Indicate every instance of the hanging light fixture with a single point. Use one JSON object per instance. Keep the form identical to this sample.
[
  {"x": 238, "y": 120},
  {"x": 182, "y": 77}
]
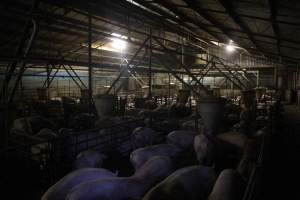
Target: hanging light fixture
[{"x": 230, "y": 47}]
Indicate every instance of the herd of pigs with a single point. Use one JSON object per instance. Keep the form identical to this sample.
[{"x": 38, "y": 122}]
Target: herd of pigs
[{"x": 220, "y": 168}]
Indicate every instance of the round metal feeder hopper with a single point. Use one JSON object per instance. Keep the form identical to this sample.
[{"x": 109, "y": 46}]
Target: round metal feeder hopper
[
  {"x": 105, "y": 104},
  {"x": 211, "y": 109},
  {"x": 183, "y": 96},
  {"x": 248, "y": 98}
]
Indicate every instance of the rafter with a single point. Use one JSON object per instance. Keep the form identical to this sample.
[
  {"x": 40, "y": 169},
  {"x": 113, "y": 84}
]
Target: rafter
[
  {"x": 273, "y": 16},
  {"x": 186, "y": 18},
  {"x": 198, "y": 8},
  {"x": 227, "y": 4}
]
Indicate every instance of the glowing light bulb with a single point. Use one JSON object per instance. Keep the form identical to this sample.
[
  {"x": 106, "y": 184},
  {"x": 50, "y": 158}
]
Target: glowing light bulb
[
  {"x": 230, "y": 48},
  {"x": 118, "y": 44}
]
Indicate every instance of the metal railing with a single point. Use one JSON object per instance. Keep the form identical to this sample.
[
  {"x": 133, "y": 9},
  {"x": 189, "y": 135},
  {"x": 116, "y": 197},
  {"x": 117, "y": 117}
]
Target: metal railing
[
  {"x": 54, "y": 157},
  {"x": 252, "y": 189}
]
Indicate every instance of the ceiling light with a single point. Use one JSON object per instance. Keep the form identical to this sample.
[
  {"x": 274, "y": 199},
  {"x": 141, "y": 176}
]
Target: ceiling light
[
  {"x": 119, "y": 36},
  {"x": 118, "y": 44},
  {"x": 229, "y": 48},
  {"x": 172, "y": 83}
]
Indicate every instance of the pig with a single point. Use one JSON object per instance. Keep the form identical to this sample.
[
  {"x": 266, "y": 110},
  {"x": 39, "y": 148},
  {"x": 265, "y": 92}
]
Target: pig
[
  {"x": 40, "y": 152},
  {"x": 133, "y": 187},
  {"x": 249, "y": 158},
  {"x": 89, "y": 159},
  {"x": 189, "y": 183},
  {"x": 179, "y": 110},
  {"x": 59, "y": 190},
  {"x": 32, "y": 125},
  {"x": 204, "y": 149},
  {"x": 230, "y": 149},
  {"x": 181, "y": 138},
  {"x": 104, "y": 122},
  {"x": 124, "y": 148},
  {"x": 191, "y": 125},
  {"x": 141, "y": 155},
  {"x": 74, "y": 142},
  {"x": 161, "y": 111},
  {"x": 229, "y": 186},
  {"x": 46, "y": 134},
  {"x": 236, "y": 139},
  {"x": 142, "y": 136}
]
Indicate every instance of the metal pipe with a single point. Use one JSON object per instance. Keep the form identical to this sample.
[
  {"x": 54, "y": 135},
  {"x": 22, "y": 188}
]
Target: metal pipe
[
  {"x": 150, "y": 65},
  {"x": 187, "y": 70},
  {"x": 77, "y": 76},
  {"x": 23, "y": 68},
  {"x": 128, "y": 64},
  {"x": 90, "y": 55},
  {"x": 70, "y": 75}
]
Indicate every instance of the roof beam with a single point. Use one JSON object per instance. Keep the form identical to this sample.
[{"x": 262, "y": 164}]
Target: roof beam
[
  {"x": 252, "y": 17},
  {"x": 198, "y": 8},
  {"x": 186, "y": 18},
  {"x": 227, "y": 4}
]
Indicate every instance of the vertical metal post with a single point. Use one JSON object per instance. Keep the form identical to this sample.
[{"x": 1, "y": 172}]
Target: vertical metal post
[
  {"x": 275, "y": 77},
  {"x": 297, "y": 83},
  {"x": 21, "y": 86},
  {"x": 182, "y": 51},
  {"x": 257, "y": 79},
  {"x": 150, "y": 65},
  {"x": 69, "y": 87},
  {"x": 169, "y": 88},
  {"x": 48, "y": 81},
  {"x": 90, "y": 56}
]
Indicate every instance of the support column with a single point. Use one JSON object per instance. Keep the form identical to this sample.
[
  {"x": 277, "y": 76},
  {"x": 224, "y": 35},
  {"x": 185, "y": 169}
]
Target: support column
[
  {"x": 275, "y": 75},
  {"x": 90, "y": 79},
  {"x": 48, "y": 81},
  {"x": 150, "y": 65},
  {"x": 169, "y": 88}
]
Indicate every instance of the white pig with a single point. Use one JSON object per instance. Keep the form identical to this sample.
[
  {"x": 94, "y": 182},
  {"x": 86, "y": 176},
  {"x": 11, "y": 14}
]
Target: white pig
[
  {"x": 189, "y": 183},
  {"x": 181, "y": 138},
  {"x": 204, "y": 150},
  {"x": 141, "y": 155},
  {"x": 229, "y": 186},
  {"x": 59, "y": 190},
  {"x": 89, "y": 159},
  {"x": 143, "y": 136},
  {"x": 134, "y": 187}
]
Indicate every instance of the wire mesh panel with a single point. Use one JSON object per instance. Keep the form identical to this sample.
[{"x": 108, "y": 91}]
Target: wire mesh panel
[
  {"x": 114, "y": 138},
  {"x": 27, "y": 166},
  {"x": 41, "y": 162}
]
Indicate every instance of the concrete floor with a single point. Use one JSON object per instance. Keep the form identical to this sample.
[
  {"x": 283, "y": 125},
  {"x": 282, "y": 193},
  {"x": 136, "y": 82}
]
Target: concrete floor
[{"x": 282, "y": 171}]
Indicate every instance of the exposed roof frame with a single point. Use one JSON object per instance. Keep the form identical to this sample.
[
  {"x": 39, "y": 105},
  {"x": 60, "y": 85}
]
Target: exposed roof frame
[
  {"x": 186, "y": 18},
  {"x": 273, "y": 8},
  {"x": 198, "y": 8},
  {"x": 227, "y": 4},
  {"x": 251, "y": 17}
]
